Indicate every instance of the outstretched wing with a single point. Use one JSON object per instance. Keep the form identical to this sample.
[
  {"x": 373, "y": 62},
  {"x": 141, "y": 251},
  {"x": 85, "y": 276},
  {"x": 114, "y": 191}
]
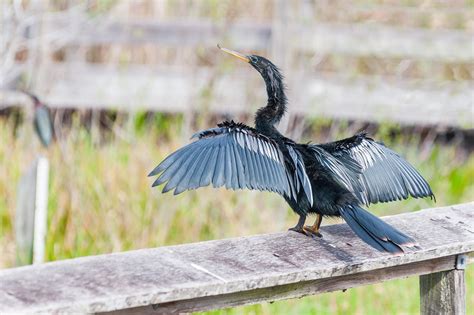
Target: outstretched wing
[
  {"x": 384, "y": 176},
  {"x": 237, "y": 157}
]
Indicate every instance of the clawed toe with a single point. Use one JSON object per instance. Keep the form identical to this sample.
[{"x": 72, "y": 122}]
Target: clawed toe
[
  {"x": 309, "y": 231},
  {"x": 306, "y": 231},
  {"x": 298, "y": 230}
]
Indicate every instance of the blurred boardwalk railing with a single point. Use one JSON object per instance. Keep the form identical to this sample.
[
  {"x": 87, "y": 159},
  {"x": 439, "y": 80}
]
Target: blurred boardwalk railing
[
  {"x": 248, "y": 270},
  {"x": 76, "y": 83},
  {"x": 349, "y": 39},
  {"x": 168, "y": 89}
]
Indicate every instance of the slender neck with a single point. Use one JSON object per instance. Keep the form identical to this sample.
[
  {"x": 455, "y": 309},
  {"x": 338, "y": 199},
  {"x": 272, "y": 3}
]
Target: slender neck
[{"x": 267, "y": 117}]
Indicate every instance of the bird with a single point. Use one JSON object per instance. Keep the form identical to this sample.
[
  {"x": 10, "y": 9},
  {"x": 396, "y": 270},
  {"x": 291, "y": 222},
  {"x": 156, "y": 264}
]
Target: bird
[
  {"x": 42, "y": 120},
  {"x": 335, "y": 179}
]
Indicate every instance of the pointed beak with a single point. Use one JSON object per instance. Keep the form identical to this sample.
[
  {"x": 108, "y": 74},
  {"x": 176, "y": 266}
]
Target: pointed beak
[{"x": 234, "y": 53}]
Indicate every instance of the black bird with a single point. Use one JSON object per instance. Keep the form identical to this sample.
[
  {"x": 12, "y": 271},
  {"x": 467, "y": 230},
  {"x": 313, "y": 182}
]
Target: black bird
[
  {"x": 42, "y": 120},
  {"x": 331, "y": 179}
]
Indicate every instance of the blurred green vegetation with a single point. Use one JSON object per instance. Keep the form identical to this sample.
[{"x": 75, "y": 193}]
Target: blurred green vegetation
[{"x": 101, "y": 201}]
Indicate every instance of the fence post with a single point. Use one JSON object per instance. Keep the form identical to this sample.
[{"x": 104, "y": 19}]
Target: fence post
[
  {"x": 31, "y": 213},
  {"x": 41, "y": 210},
  {"x": 444, "y": 292}
]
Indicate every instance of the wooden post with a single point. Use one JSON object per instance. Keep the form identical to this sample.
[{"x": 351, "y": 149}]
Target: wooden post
[
  {"x": 31, "y": 213},
  {"x": 24, "y": 217},
  {"x": 444, "y": 292},
  {"x": 41, "y": 210}
]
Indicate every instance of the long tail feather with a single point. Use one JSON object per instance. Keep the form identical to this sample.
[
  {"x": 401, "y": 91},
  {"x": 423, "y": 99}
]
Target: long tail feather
[{"x": 374, "y": 231}]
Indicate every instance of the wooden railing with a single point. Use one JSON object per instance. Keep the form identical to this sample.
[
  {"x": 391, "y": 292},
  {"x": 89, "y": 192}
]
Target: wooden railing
[
  {"x": 175, "y": 90},
  {"x": 323, "y": 38},
  {"x": 254, "y": 269}
]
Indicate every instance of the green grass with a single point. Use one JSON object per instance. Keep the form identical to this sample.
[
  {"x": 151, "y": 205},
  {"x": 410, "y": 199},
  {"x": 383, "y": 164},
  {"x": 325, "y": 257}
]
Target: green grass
[{"x": 101, "y": 202}]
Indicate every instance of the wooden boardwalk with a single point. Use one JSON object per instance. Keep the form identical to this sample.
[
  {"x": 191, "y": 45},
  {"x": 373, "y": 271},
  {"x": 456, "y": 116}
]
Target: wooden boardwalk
[{"x": 252, "y": 269}]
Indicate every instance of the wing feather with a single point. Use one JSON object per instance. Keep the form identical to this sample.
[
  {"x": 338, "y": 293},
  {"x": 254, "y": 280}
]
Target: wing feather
[
  {"x": 172, "y": 164},
  {"x": 235, "y": 156},
  {"x": 209, "y": 169},
  {"x": 249, "y": 171},
  {"x": 384, "y": 176},
  {"x": 183, "y": 183},
  {"x": 236, "y": 170},
  {"x": 218, "y": 177},
  {"x": 199, "y": 169}
]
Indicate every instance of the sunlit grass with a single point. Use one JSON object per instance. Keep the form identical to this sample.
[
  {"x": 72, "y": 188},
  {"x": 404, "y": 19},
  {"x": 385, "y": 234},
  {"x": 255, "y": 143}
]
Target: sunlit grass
[{"x": 101, "y": 201}]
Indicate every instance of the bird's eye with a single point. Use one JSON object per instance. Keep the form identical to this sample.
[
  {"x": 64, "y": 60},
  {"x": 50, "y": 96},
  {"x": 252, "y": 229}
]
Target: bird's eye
[{"x": 253, "y": 59}]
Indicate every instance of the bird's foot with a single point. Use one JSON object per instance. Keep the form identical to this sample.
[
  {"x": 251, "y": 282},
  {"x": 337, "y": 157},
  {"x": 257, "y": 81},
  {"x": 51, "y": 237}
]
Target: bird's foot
[
  {"x": 310, "y": 230},
  {"x": 299, "y": 230}
]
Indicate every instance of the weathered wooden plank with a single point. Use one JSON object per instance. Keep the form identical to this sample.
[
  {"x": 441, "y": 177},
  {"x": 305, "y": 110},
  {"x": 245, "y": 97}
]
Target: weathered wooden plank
[
  {"x": 215, "y": 268},
  {"x": 175, "y": 90},
  {"x": 385, "y": 99},
  {"x": 443, "y": 293},
  {"x": 323, "y": 38},
  {"x": 416, "y": 12},
  {"x": 294, "y": 290},
  {"x": 385, "y": 41},
  {"x": 13, "y": 98},
  {"x": 181, "y": 33}
]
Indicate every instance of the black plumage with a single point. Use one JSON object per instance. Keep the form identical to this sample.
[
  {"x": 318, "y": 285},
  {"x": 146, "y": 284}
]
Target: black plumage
[{"x": 331, "y": 179}]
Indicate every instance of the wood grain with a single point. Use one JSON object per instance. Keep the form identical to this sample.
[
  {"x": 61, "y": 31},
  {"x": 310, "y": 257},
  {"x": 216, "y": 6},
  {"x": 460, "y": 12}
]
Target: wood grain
[
  {"x": 294, "y": 290},
  {"x": 443, "y": 293},
  {"x": 238, "y": 265}
]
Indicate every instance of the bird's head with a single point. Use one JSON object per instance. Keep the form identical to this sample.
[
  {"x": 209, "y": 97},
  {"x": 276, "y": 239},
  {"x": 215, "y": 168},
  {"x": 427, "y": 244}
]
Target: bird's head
[
  {"x": 267, "y": 116},
  {"x": 264, "y": 66}
]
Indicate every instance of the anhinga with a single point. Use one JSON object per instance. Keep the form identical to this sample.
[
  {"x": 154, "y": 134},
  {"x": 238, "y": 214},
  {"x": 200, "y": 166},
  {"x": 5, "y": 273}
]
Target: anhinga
[
  {"x": 331, "y": 179},
  {"x": 42, "y": 120}
]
